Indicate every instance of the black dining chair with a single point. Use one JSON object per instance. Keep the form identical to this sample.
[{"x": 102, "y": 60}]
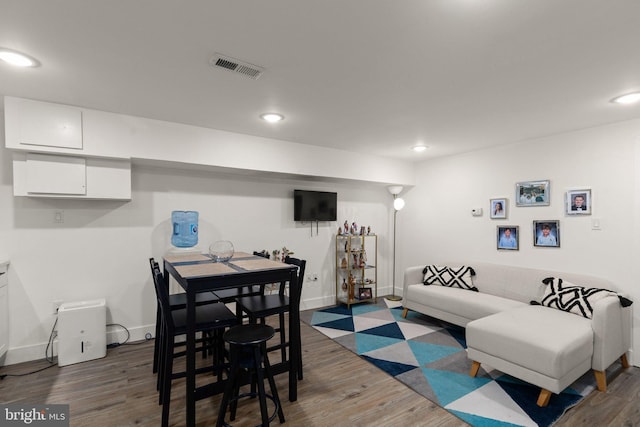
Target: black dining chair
[
  {"x": 211, "y": 318},
  {"x": 176, "y": 301},
  {"x": 262, "y": 306}
]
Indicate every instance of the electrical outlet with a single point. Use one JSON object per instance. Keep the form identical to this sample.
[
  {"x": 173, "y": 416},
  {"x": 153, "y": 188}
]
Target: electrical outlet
[
  {"x": 56, "y": 305},
  {"x": 58, "y": 217}
]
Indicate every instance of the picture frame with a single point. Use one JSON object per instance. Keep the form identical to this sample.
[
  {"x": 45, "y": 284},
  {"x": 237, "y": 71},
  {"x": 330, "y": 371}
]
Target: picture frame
[
  {"x": 533, "y": 193},
  {"x": 546, "y": 233},
  {"x": 498, "y": 208},
  {"x": 364, "y": 293},
  {"x": 578, "y": 202},
  {"x": 508, "y": 237}
]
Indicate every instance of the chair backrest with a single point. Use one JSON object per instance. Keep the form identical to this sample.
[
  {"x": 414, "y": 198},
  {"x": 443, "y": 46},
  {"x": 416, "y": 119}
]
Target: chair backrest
[
  {"x": 262, "y": 254},
  {"x": 152, "y": 263},
  {"x": 301, "y": 264},
  {"x": 162, "y": 293}
]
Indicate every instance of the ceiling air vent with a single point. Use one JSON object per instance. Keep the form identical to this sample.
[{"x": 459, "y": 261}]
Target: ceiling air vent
[{"x": 236, "y": 66}]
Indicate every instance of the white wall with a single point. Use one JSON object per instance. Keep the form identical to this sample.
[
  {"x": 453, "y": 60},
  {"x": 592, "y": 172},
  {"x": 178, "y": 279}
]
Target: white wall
[
  {"x": 437, "y": 225},
  {"x": 102, "y": 248}
]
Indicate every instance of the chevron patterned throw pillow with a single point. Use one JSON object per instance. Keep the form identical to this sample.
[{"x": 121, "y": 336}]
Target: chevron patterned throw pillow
[
  {"x": 574, "y": 299},
  {"x": 455, "y": 277}
]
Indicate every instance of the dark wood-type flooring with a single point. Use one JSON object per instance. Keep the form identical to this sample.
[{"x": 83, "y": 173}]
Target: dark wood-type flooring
[{"x": 339, "y": 389}]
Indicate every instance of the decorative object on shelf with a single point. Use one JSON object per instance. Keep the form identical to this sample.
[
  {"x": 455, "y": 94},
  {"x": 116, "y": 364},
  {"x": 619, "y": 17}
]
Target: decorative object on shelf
[
  {"x": 276, "y": 254},
  {"x": 221, "y": 251},
  {"x": 398, "y": 203},
  {"x": 533, "y": 193},
  {"x": 352, "y": 287},
  {"x": 346, "y": 227},
  {"x": 362, "y": 230},
  {"x": 339, "y": 231},
  {"x": 364, "y": 293},
  {"x": 344, "y": 263},
  {"x": 369, "y": 229},
  {"x": 578, "y": 202}
]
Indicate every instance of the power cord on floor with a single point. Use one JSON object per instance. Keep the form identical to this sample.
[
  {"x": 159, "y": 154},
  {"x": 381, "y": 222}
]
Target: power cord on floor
[
  {"x": 118, "y": 344},
  {"x": 126, "y": 341},
  {"x": 51, "y": 360}
]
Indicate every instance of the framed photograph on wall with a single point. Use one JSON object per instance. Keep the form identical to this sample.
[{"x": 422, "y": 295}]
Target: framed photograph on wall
[
  {"x": 507, "y": 237},
  {"x": 498, "y": 208},
  {"x": 578, "y": 202},
  {"x": 546, "y": 233},
  {"x": 533, "y": 193}
]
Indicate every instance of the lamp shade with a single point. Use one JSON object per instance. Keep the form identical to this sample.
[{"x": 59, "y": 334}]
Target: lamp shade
[{"x": 398, "y": 203}]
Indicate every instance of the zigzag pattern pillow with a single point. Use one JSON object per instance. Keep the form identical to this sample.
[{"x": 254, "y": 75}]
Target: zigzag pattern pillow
[
  {"x": 455, "y": 277},
  {"x": 574, "y": 299}
]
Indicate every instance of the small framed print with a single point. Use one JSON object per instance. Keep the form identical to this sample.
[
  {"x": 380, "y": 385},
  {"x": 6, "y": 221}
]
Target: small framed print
[
  {"x": 498, "y": 208},
  {"x": 533, "y": 193},
  {"x": 508, "y": 237},
  {"x": 364, "y": 293},
  {"x": 546, "y": 233},
  {"x": 578, "y": 202}
]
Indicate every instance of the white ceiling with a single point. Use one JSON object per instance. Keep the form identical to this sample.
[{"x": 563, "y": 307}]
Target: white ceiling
[{"x": 376, "y": 76}]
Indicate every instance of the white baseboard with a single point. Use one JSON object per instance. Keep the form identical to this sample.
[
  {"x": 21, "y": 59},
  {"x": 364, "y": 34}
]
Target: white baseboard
[{"x": 115, "y": 334}]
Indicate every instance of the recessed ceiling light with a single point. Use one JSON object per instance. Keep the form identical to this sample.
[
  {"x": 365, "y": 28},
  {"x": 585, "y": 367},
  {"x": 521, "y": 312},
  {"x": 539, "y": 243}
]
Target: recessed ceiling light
[
  {"x": 16, "y": 58},
  {"x": 272, "y": 117},
  {"x": 629, "y": 98},
  {"x": 419, "y": 148}
]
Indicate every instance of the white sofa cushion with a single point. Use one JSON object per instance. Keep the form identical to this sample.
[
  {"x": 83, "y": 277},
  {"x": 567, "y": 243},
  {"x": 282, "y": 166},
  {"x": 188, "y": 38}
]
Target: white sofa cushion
[
  {"x": 469, "y": 305},
  {"x": 541, "y": 339}
]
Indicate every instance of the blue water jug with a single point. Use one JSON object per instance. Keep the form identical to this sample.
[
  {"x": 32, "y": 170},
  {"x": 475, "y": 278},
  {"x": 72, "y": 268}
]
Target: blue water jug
[{"x": 185, "y": 229}]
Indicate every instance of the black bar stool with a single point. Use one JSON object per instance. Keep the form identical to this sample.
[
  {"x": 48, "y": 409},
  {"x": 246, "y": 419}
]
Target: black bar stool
[{"x": 248, "y": 351}]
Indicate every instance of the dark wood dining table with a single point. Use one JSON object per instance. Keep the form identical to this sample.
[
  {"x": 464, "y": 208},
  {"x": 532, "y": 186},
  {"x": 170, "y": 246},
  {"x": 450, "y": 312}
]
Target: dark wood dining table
[{"x": 200, "y": 273}]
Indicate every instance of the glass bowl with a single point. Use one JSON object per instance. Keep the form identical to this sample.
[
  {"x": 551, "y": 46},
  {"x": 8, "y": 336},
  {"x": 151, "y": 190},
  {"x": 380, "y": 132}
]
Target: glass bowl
[{"x": 221, "y": 251}]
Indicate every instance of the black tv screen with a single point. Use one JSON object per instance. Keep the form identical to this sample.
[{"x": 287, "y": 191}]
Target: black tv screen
[{"x": 314, "y": 205}]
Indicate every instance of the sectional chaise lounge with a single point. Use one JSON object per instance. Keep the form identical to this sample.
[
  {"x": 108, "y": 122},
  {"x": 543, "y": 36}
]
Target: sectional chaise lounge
[{"x": 584, "y": 324}]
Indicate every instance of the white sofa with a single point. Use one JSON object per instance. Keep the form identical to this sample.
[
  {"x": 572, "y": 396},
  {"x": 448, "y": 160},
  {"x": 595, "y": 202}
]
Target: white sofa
[{"x": 503, "y": 328}]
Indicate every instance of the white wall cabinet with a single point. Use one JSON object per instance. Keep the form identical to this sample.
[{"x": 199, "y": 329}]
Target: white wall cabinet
[
  {"x": 40, "y": 175},
  {"x": 48, "y": 174},
  {"x": 4, "y": 307},
  {"x": 35, "y": 123}
]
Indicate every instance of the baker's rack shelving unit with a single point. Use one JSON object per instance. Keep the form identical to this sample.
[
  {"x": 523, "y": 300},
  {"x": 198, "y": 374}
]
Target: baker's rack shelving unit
[{"x": 356, "y": 268}]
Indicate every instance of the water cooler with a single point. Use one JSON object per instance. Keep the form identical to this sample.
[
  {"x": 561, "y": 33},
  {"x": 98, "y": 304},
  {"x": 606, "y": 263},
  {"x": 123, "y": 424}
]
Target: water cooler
[{"x": 82, "y": 331}]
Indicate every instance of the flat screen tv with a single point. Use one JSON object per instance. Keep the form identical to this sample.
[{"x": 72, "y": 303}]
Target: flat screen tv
[{"x": 314, "y": 205}]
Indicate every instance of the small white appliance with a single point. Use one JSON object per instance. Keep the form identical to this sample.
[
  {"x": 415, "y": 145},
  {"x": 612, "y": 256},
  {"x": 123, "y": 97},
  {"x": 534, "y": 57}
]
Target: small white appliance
[{"x": 82, "y": 331}]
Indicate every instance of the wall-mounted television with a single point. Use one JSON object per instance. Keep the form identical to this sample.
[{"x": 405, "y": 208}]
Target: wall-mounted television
[{"x": 314, "y": 205}]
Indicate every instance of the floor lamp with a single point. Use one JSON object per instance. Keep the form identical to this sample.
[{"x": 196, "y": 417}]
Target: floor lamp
[{"x": 398, "y": 204}]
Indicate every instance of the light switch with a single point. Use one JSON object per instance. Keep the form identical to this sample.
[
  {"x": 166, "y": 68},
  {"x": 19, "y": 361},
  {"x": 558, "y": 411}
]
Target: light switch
[
  {"x": 58, "y": 217},
  {"x": 595, "y": 224}
]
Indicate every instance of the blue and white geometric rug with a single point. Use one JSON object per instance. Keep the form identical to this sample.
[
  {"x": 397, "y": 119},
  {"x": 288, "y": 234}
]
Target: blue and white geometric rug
[{"x": 430, "y": 357}]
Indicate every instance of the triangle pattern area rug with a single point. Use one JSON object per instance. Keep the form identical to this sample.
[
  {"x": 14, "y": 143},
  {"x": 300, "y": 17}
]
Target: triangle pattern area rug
[{"x": 430, "y": 357}]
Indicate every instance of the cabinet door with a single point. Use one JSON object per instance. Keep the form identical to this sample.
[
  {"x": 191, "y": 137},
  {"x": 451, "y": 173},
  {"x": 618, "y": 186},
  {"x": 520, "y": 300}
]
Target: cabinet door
[
  {"x": 56, "y": 174},
  {"x": 43, "y": 123}
]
